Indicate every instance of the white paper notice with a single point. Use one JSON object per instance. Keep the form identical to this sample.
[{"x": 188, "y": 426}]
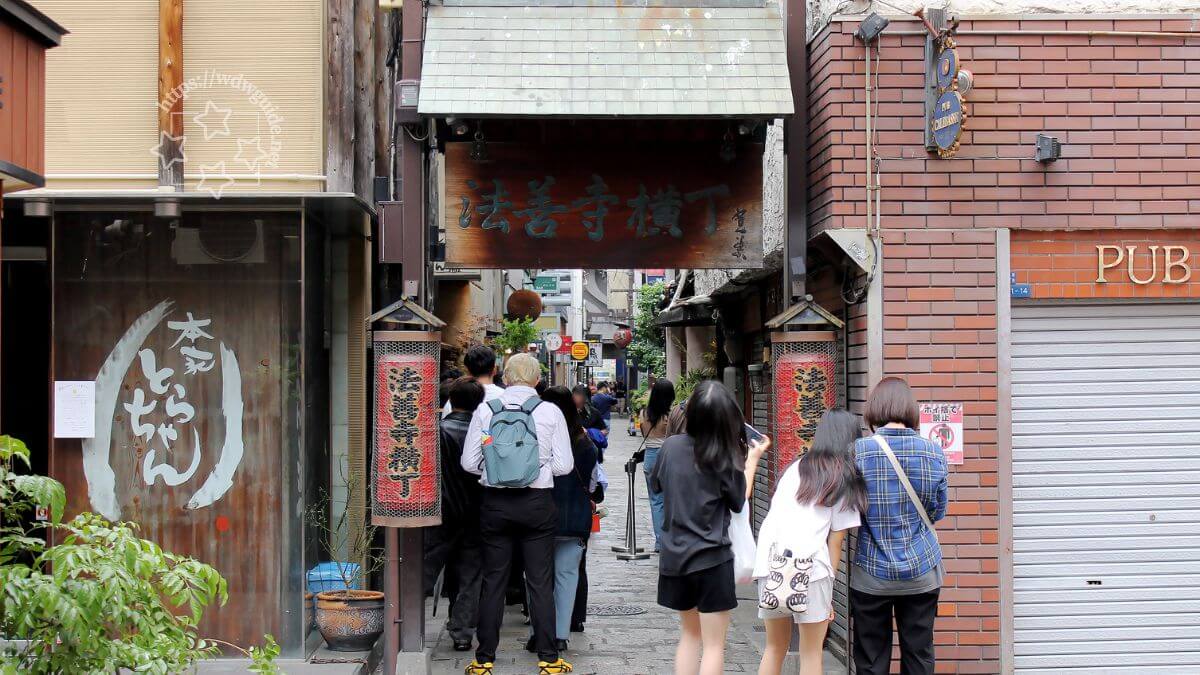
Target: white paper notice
[{"x": 75, "y": 409}]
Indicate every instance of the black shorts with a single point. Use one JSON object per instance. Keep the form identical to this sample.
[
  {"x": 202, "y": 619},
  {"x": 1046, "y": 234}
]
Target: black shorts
[{"x": 708, "y": 590}]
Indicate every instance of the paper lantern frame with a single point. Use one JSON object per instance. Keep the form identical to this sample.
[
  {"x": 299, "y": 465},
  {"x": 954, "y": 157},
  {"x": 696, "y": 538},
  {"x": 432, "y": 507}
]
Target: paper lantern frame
[
  {"x": 807, "y": 378},
  {"x": 406, "y": 459}
]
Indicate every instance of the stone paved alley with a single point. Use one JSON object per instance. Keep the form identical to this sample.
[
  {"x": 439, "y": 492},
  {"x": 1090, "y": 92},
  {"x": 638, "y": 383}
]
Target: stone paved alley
[{"x": 616, "y": 645}]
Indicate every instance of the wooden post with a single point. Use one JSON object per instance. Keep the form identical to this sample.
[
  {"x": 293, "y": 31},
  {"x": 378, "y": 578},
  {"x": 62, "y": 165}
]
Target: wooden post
[
  {"x": 339, "y": 96},
  {"x": 170, "y": 94}
]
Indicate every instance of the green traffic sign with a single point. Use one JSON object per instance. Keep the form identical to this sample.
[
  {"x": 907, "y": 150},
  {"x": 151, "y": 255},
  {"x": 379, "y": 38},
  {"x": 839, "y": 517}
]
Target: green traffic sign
[{"x": 545, "y": 284}]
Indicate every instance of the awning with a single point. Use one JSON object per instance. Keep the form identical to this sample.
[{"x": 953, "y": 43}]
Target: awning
[
  {"x": 546, "y": 61},
  {"x": 694, "y": 311}
]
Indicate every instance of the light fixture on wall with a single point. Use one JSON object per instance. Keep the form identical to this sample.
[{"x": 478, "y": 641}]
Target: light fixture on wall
[
  {"x": 1048, "y": 149},
  {"x": 871, "y": 27},
  {"x": 757, "y": 372}
]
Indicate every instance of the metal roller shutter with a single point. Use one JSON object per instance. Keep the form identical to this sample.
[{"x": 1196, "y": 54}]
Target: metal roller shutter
[{"x": 1106, "y": 487}]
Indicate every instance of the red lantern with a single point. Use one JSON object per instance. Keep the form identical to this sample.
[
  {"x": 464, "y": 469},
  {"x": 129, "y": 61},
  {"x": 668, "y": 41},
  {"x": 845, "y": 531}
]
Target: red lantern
[
  {"x": 622, "y": 337},
  {"x": 524, "y": 304},
  {"x": 805, "y": 387},
  {"x": 405, "y": 466}
]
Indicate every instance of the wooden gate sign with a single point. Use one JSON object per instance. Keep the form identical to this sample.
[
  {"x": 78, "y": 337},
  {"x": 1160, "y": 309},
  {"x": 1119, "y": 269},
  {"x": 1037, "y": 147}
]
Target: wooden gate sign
[{"x": 670, "y": 205}]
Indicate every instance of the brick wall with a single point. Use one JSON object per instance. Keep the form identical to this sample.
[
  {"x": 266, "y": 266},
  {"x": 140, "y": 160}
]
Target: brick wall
[
  {"x": 1065, "y": 264},
  {"x": 1127, "y": 111}
]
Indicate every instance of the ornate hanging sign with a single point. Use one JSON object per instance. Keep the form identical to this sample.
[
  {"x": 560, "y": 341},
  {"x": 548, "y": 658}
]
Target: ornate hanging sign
[{"x": 948, "y": 114}]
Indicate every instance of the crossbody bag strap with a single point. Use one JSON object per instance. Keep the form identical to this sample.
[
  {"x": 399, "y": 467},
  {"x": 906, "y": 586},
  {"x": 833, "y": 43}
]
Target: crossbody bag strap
[{"x": 912, "y": 494}]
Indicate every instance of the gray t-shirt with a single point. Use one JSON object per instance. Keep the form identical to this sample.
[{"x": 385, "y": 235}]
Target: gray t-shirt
[
  {"x": 863, "y": 582},
  {"x": 696, "y": 506}
]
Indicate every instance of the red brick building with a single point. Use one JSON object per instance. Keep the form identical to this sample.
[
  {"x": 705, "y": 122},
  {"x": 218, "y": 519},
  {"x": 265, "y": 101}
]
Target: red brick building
[{"x": 1081, "y": 459}]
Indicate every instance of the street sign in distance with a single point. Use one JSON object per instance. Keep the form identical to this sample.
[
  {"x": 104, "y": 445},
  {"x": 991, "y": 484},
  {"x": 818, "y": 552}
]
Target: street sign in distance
[
  {"x": 580, "y": 351},
  {"x": 595, "y": 355},
  {"x": 546, "y": 284},
  {"x": 553, "y": 341}
]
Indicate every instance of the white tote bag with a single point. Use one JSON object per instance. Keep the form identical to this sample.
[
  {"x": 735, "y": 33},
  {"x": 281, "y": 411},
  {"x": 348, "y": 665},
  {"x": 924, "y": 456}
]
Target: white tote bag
[{"x": 741, "y": 538}]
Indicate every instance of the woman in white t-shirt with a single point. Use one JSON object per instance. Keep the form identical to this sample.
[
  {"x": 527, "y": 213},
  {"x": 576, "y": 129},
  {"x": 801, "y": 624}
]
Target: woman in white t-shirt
[{"x": 818, "y": 498}]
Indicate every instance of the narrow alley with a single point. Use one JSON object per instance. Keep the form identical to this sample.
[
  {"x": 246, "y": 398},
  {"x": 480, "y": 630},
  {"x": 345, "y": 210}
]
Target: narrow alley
[{"x": 627, "y": 632}]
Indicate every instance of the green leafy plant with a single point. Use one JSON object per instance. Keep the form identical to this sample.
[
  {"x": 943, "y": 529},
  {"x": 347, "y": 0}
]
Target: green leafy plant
[
  {"x": 648, "y": 348},
  {"x": 111, "y": 601},
  {"x": 515, "y": 335},
  {"x": 688, "y": 381},
  {"x": 640, "y": 398}
]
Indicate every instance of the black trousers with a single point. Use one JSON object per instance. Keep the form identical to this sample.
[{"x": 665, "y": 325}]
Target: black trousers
[
  {"x": 458, "y": 550},
  {"x": 510, "y": 520},
  {"x": 579, "y": 611},
  {"x": 872, "y": 616}
]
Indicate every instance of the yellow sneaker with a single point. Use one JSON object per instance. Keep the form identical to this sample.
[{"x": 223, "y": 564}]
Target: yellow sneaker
[
  {"x": 477, "y": 668},
  {"x": 553, "y": 668}
]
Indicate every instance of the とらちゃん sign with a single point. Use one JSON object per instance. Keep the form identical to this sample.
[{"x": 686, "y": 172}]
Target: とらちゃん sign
[
  {"x": 1113, "y": 260},
  {"x": 603, "y": 206}
]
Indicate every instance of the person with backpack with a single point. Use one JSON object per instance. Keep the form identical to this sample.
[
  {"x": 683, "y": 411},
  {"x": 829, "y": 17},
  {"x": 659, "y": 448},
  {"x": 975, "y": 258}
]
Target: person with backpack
[
  {"x": 817, "y": 500},
  {"x": 898, "y": 568},
  {"x": 703, "y": 475},
  {"x": 517, "y": 446},
  {"x": 454, "y": 545}
]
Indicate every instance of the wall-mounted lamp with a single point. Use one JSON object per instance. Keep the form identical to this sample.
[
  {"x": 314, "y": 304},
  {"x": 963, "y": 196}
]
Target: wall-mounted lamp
[
  {"x": 37, "y": 208},
  {"x": 1048, "y": 149},
  {"x": 757, "y": 373},
  {"x": 870, "y": 28}
]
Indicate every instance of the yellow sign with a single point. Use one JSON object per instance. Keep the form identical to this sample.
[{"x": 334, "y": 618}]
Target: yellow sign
[
  {"x": 1175, "y": 264},
  {"x": 580, "y": 351}
]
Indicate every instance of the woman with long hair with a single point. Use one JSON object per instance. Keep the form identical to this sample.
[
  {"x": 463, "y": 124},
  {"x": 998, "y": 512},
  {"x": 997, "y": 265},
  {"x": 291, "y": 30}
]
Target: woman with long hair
[
  {"x": 817, "y": 500},
  {"x": 654, "y": 430},
  {"x": 898, "y": 562},
  {"x": 702, "y": 476},
  {"x": 574, "y": 503}
]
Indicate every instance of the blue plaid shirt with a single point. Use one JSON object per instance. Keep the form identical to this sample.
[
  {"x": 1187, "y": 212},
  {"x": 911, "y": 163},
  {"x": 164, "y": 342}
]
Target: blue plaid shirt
[{"x": 893, "y": 543}]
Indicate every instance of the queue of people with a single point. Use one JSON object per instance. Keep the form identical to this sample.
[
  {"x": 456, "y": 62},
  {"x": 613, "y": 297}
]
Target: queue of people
[{"x": 522, "y": 477}]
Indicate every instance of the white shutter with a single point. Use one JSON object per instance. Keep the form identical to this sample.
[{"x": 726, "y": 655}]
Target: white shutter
[{"x": 1106, "y": 487}]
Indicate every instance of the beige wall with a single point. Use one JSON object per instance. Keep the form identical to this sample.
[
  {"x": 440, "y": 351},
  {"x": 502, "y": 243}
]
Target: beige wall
[{"x": 252, "y": 72}]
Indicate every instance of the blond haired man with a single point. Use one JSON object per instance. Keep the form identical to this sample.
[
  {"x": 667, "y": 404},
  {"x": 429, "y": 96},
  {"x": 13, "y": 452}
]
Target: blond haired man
[{"x": 523, "y": 516}]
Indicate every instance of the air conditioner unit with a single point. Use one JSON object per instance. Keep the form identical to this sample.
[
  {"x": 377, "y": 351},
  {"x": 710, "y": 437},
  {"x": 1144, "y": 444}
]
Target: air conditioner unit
[{"x": 218, "y": 242}]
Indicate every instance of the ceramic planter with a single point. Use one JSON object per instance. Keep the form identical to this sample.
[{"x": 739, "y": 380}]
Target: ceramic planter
[{"x": 350, "y": 620}]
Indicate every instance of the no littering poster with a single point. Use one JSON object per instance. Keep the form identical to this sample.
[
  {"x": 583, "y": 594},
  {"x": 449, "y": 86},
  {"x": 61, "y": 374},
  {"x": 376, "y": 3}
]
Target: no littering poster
[{"x": 942, "y": 423}]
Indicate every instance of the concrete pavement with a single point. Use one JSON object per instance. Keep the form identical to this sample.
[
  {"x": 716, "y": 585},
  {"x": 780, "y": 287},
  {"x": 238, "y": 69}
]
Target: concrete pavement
[{"x": 616, "y": 645}]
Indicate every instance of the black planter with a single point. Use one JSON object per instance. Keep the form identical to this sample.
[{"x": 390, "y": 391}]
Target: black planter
[{"x": 350, "y": 621}]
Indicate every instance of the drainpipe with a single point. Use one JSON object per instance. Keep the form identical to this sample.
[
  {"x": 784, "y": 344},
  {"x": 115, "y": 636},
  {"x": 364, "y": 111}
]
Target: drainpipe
[
  {"x": 795, "y": 157},
  {"x": 404, "y": 605}
]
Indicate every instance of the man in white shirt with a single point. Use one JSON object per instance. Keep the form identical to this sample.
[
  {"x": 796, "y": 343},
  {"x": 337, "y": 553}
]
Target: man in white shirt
[
  {"x": 480, "y": 362},
  {"x": 526, "y": 517}
]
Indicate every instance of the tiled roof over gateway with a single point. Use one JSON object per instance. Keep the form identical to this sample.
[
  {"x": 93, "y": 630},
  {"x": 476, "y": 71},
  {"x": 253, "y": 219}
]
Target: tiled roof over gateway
[{"x": 541, "y": 61}]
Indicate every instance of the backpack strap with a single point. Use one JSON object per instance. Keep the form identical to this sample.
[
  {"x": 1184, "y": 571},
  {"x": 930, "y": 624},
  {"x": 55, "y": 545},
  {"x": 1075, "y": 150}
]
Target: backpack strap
[
  {"x": 531, "y": 403},
  {"x": 496, "y": 405}
]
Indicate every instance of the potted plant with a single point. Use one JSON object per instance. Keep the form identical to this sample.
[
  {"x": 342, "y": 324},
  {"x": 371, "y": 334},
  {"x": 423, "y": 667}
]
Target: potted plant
[{"x": 348, "y": 617}]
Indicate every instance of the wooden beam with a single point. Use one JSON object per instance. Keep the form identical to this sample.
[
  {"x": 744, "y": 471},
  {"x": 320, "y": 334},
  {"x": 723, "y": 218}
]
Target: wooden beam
[
  {"x": 170, "y": 93},
  {"x": 339, "y": 95}
]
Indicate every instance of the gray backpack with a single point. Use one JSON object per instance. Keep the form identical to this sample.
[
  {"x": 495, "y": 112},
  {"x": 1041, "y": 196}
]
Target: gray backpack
[{"x": 511, "y": 455}]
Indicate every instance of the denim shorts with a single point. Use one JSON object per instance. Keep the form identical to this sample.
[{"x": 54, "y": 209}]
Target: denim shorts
[{"x": 820, "y": 600}]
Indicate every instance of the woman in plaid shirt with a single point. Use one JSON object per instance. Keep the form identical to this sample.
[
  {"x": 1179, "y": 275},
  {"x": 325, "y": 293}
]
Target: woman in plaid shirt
[{"x": 898, "y": 565}]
